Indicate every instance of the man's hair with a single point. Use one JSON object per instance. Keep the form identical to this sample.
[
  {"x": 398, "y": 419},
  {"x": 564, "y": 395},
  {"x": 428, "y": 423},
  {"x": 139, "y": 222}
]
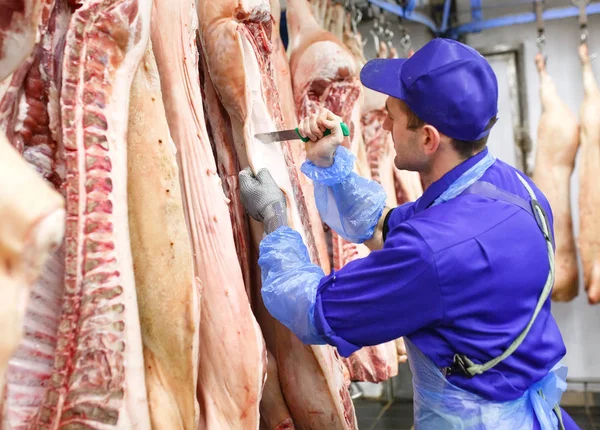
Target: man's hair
[{"x": 465, "y": 148}]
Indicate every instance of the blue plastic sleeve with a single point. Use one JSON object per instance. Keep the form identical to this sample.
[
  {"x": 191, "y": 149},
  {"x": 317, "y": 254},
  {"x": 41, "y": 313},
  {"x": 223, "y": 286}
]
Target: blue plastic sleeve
[
  {"x": 290, "y": 282},
  {"x": 348, "y": 203}
]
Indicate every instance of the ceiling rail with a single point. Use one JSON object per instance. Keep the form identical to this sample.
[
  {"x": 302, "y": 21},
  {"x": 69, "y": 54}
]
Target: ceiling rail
[{"x": 477, "y": 23}]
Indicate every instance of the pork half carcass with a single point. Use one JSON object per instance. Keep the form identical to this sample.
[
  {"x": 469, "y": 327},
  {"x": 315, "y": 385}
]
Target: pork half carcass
[
  {"x": 589, "y": 190},
  {"x": 557, "y": 144},
  {"x": 33, "y": 225},
  {"x": 98, "y": 376},
  {"x": 283, "y": 81},
  {"x": 162, "y": 257},
  {"x": 219, "y": 129},
  {"x": 236, "y": 38},
  {"x": 379, "y": 362},
  {"x": 232, "y": 364},
  {"x": 324, "y": 74}
]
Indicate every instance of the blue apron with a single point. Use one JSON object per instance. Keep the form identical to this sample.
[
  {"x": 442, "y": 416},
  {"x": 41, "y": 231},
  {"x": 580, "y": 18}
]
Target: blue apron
[
  {"x": 438, "y": 404},
  {"x": 441, "y": 405}
]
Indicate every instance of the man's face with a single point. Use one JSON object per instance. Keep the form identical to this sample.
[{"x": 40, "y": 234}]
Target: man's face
[{"x": 407, "y": 143}]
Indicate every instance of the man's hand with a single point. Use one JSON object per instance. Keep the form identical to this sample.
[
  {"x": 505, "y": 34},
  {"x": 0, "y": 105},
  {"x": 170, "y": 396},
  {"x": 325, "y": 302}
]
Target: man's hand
[
  {"x": 320, "y": 150},
  {"x": 263, "y": 199}
]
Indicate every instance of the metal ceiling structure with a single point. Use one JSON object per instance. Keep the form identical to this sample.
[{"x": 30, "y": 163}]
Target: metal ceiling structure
[{"x": 443, "y": 28}]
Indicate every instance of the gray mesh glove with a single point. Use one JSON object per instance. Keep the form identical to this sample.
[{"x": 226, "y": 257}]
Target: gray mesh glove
[{"x": 263, "y": 199}]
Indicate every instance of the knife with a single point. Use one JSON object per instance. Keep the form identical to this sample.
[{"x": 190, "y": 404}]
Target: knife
[{"x": 293, "y": 134}]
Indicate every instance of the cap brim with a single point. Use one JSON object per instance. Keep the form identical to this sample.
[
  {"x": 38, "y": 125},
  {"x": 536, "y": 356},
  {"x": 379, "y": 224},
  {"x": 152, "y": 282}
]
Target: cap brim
[{"x": 383, "y": 75}]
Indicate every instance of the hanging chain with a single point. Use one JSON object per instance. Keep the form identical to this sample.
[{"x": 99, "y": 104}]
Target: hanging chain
[
  {"x": 405, "y": 41},
  {"x": 539, "y": 18},
  {"x": 583, "y": 24}
]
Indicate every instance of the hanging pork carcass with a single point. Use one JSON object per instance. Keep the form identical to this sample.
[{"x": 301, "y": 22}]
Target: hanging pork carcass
[
  {"x": 589, "y": 192},
  {"x": 335, "y": 85},
  {"x": 232, "y": 350},
  {"x": 324, "y": 74},
  {"x": 557, "y": 144},
  {"x": 236, "y": 39},
  {"x": 273, "y": 411},
  {"x": 283, "y": 81},
  {"x": 167, "y": 290},
  {"x": 98, "y": 355}
]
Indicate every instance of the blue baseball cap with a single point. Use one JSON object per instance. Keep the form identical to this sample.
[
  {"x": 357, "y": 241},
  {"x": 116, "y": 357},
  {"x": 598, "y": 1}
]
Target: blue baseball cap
[{"x": 445, "y": 83}]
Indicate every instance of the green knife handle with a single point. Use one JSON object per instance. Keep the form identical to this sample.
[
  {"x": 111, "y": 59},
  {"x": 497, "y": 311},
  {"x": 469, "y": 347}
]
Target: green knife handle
[{"x": 345, "y": 131}]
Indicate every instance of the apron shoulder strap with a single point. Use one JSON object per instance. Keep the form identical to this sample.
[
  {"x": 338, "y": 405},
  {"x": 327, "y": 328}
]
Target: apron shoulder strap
[{"x": 462, "y": 364}]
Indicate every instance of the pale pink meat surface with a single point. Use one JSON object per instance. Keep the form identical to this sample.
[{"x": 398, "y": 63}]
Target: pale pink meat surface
[
  {"x": 374, "y": 363},
  {"x": 221, "y": 137},
  {"x": 283, "y": 81},
  {"x": 167, "y": 293},
  {"x": 236, "y": 38},
  {"x": 98, "y": 376},
  {"x": 273, "y": 410},
  {"x": 324, "y": 74},
  {"x": 242, "y": 30},
  {"x": 232, "y": 352},
  {"x": 558, "y": 141},
  {"x": 32, "y": 229},
  {"x": 589, "y": 191}
]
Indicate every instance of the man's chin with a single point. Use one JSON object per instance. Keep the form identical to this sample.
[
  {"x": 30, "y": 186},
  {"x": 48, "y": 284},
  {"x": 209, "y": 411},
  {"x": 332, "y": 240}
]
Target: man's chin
[{"x": 400, "y": 165}]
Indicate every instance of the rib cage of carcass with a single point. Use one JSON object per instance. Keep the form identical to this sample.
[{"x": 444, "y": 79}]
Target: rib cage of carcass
[{"x": 136, "y": 116}]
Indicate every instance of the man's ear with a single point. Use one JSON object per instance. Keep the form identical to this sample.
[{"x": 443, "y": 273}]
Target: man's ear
[{"x": 431, "y": 139}]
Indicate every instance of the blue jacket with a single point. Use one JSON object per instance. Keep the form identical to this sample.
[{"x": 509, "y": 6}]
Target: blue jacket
[{"x": 460, "y": 277}]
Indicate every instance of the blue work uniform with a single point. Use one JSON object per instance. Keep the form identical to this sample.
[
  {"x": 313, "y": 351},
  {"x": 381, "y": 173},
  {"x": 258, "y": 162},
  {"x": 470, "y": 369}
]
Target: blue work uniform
[{"x": 462, "y": 276}]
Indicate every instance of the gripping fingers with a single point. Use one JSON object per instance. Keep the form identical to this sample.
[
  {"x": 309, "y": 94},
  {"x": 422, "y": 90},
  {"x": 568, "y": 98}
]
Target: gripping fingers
[
  {"x": 246, "y": 176},
  {"x": 315, "y": 122},
  {"x": 248, "y": 182},
  {"x": 265, "y": 178},
  {"x": 268, "y": 184},
  {"x": 332, "y": 117},
  {"x": 307, "y": 129},
  {"x": 334, "y": 126}
]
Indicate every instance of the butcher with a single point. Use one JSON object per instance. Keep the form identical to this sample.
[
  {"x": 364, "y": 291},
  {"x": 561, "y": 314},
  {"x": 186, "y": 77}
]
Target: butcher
[{"x": 464, "y": 273}]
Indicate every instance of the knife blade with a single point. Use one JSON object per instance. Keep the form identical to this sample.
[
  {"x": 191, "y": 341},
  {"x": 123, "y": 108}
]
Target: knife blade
[{"x": 293, "y": 134}]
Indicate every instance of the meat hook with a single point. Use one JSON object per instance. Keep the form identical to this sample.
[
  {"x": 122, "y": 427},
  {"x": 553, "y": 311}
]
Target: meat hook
[
  {"x": 540, "y": 41},
  {"x": 405, "y": 41},
  {"x": 583, "y": 27},
  {"x": 375, "y": 32}
]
